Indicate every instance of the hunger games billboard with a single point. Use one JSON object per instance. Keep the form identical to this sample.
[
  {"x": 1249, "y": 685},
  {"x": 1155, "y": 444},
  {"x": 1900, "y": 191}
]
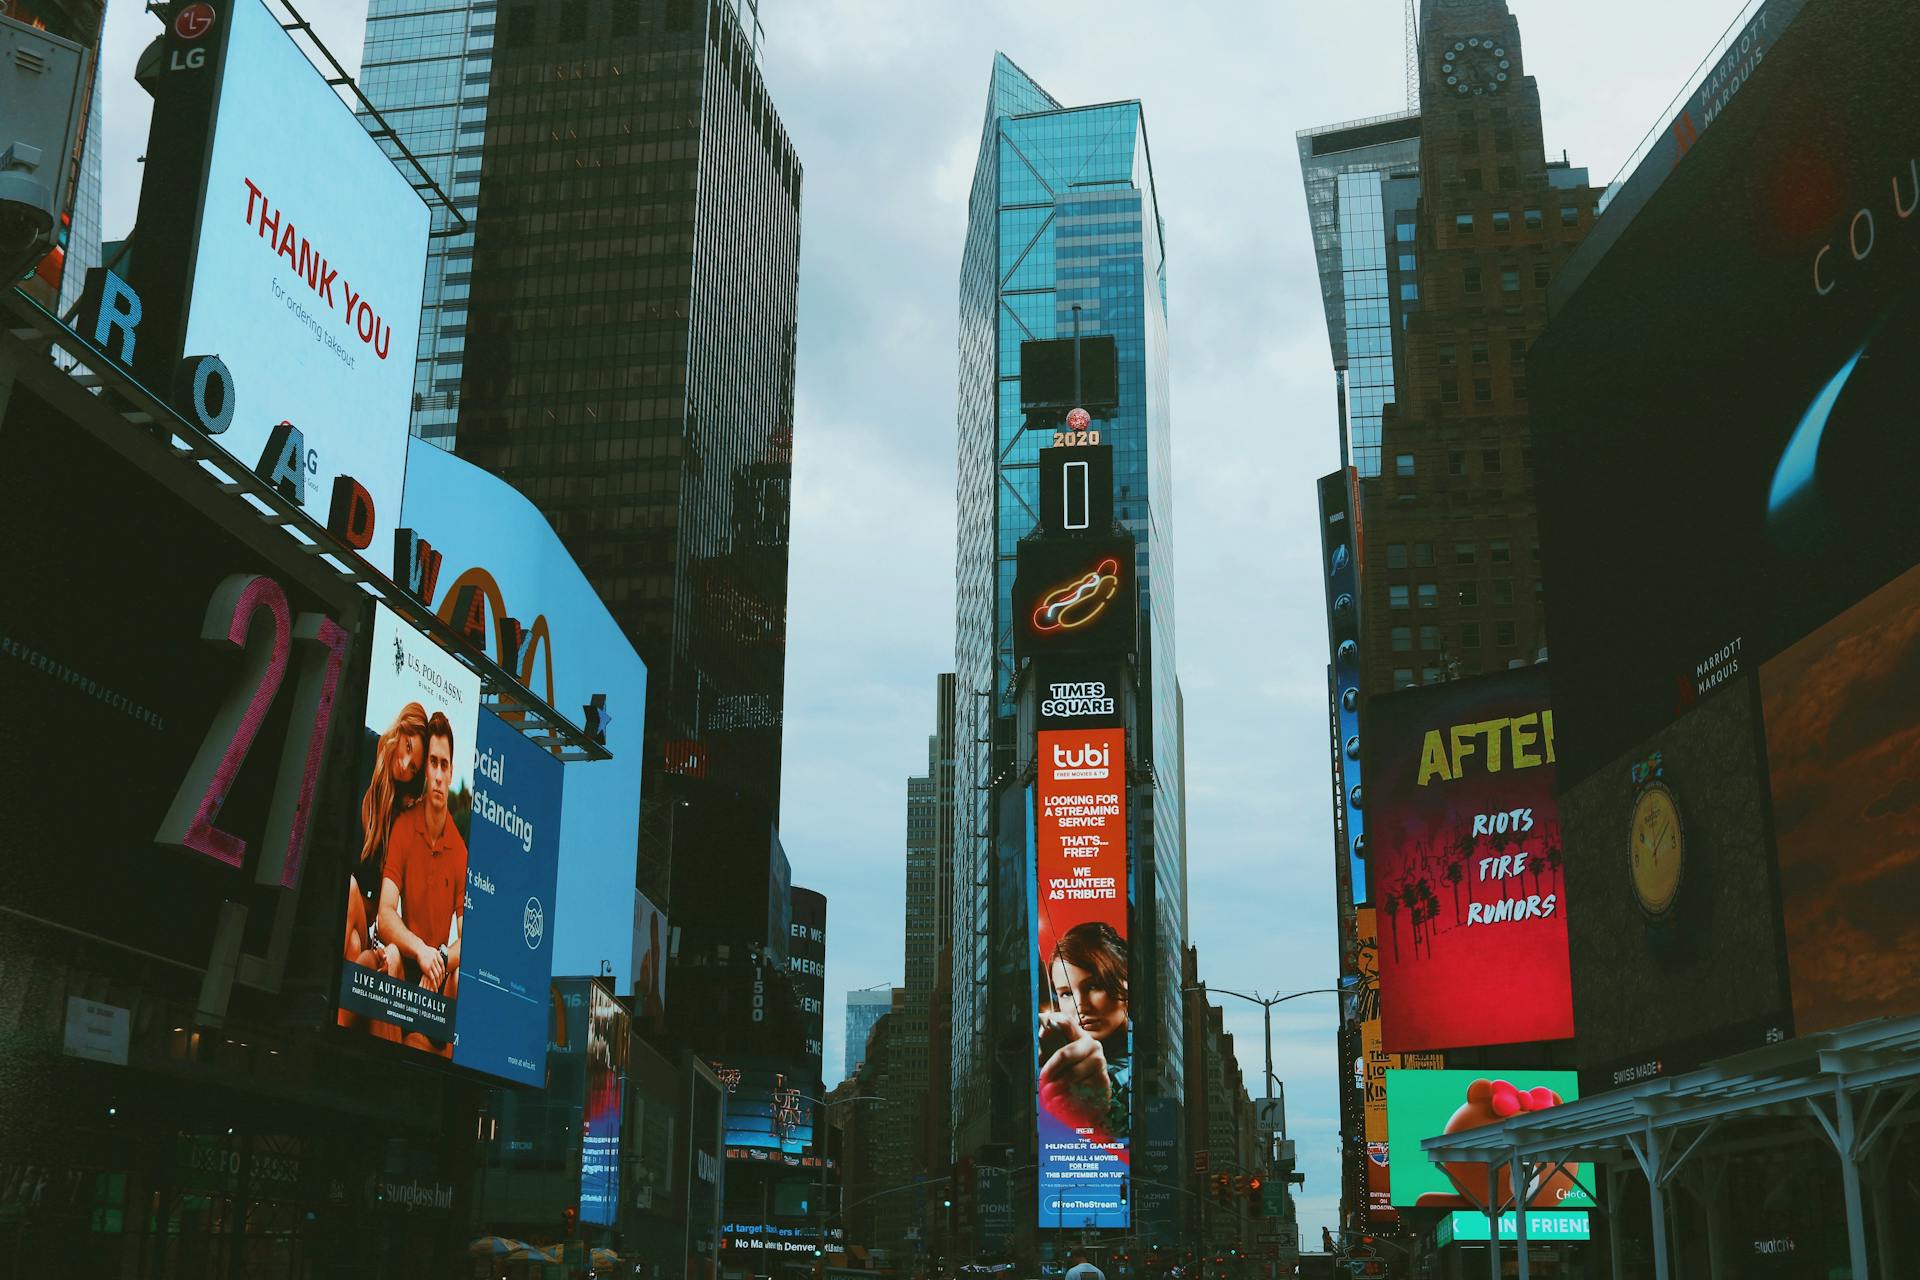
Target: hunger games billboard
[
  {"x": 1467, "y": 866},
  {"x": 1082, "y": 1030}
]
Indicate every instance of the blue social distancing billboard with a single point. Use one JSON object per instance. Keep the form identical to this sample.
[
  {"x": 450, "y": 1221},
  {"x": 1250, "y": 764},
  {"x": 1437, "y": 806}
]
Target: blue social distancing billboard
[{"x": 500, "y": 560}]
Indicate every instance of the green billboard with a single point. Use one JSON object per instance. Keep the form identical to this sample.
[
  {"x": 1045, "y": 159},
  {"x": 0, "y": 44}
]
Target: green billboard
[{"x": 1425, "y": 1104}]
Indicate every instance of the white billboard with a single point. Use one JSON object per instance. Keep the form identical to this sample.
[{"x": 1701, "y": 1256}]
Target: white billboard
[{"x": 307, "y": 274}]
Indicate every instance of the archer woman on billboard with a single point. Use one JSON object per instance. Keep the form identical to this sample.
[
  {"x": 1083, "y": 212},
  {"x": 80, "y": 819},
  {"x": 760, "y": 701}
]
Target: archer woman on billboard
[{"x": 1086, "y": 1076}]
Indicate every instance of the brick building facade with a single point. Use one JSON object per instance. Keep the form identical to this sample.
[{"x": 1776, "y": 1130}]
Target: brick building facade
[{"x": 1451, "y": 581}]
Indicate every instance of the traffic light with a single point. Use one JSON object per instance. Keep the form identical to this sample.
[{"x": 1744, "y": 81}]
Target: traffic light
[
  {"x": 1256, "y": 1199},
  {"x": 1222, "y": 1188},
  {"x": 570, "y": 1218}
]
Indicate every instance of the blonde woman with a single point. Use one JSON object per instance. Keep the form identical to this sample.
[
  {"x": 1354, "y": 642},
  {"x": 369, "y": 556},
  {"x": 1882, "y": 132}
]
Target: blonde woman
[{"x": 394, "y": 788}]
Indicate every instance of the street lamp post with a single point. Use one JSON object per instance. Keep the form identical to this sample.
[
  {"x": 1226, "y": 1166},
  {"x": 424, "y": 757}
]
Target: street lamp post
[
  {"x": 1266, "y": 1004},
  {"x": 820, "y": 1215}
]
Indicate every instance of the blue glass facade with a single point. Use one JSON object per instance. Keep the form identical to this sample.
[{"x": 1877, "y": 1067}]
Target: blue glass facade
[
  {"x": 1062, "y": 215},
  {"x": 1351, "y": 172},
  {"x": 425, "y": 65}
]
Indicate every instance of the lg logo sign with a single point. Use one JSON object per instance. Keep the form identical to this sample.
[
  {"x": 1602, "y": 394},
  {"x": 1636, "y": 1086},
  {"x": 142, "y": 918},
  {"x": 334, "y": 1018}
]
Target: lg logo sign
[{"x": 194, "y": 21}]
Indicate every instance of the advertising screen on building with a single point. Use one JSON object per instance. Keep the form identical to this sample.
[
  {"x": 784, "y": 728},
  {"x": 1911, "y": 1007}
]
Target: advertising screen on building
[
  {"x": 1467, "y": 866},
  {"x": 1370, "y": 1072},
  {"x": 506, "y": 934},
  {"x": 652, "y": 939},
  {"x": 1075, "y": 595},
  {"x": 307, "y": 269},
  {"x": 1083, "y": 1035},
  {"x": 1426, "y": 1104},
  {"x": 608, "y": 1034},
  {"x": 1716, "y": 505},
  {"x": 403, "y": 945},
  {"x": 768, "y": 1118},
  {"x": 1674, "y": 879},
  {"x": 1843, "y": 747},
  {"x": 507, "y": 581},
  {"x": 1542, "y": 1227},
  {"x": 807, "y": 962},
  {"x": 1340, "y": 554}
]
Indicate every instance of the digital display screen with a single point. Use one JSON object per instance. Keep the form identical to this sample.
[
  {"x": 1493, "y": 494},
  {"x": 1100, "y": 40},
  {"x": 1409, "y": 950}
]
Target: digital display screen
[
  {"x": 608, "y": 1028},
  {"x": 1075, "y": 595},
  {"x": 308, "y": 269},
  {"x": 403, "y": 946},
  {"x": 1468, "y": 873},
  {"x": 1083, "y": 1029},
  {"x": 502, "y": 560},
  {"x": 1427, "y": 1104},
  {"x": 1843, "y": 749}
]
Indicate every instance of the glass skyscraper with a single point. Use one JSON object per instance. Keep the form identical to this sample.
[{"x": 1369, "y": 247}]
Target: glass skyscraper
[
  {"x": 1362, "y": 182},
  {"x": 1062, "y": 218},
  {"x": 425, "y": 65}
]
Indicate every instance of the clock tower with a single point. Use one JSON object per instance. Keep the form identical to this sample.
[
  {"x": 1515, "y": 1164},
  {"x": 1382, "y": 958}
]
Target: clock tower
[{"x": 1452, "y": 586}]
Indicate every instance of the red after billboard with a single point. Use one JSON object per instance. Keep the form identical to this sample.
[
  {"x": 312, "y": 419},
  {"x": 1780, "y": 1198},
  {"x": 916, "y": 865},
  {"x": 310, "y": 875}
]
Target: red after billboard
[
  {"x": 1082, "y": 1025},
  {"x": 1467, "y": 866}
]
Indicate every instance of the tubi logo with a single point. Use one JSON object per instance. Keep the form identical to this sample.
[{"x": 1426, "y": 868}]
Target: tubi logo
[{"x": 1089, "y": 760}]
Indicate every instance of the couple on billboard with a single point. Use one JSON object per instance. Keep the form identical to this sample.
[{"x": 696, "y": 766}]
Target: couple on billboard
[
  {"x": 1086, "y": 1076},
  {"x": 407, "y": 894}
]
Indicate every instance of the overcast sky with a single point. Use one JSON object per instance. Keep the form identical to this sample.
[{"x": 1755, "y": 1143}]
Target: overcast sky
[{"x": 884, "y": 101}]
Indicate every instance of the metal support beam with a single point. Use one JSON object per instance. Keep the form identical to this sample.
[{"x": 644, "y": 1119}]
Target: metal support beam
[
  {"x": 1493, "y": 1219},
  {"x": 1521, "y": 1187},
  {"x": 1649, "y": 1151},
  {"x": 1616, "y": 1183},
  {"x": 1850, "y": 1180}
]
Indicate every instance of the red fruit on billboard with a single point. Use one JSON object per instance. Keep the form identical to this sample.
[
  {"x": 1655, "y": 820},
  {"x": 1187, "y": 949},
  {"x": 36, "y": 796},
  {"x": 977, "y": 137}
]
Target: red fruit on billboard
[{"x": 1489, "y": 1102}]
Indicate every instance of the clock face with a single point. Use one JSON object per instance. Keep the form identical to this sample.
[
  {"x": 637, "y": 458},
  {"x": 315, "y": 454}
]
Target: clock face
[
  {"x": 1475, "y": 65},
  {"x": 1656, "y": 848}
]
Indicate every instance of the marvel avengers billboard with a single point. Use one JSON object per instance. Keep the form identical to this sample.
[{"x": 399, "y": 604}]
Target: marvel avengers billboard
[
  {"x": 1083, "y": 1031},
  {"x": 1468, "y": 873}
]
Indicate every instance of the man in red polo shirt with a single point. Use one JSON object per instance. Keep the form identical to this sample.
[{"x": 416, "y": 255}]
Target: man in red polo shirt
[{"x": 424, "y": 893}]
